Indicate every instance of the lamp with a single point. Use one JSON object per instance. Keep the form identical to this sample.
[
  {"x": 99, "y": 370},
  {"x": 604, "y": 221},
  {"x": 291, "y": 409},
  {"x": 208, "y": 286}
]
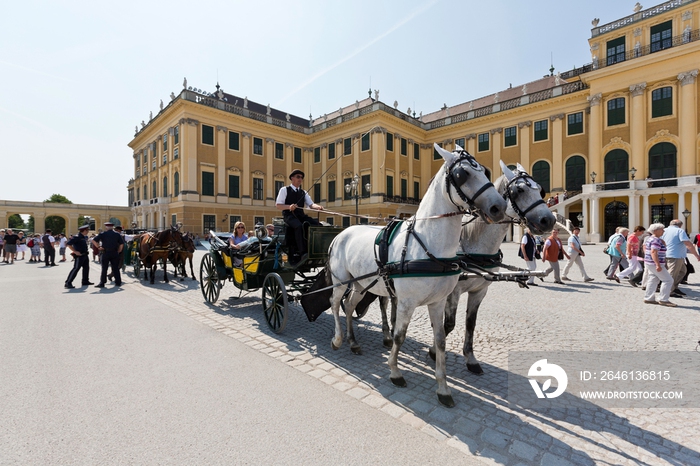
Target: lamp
[
  {"x": 353, "y": 188},
  {"x": 225, "y": 218},
  {"x": 593, "y": 175},
  {"x": 686, "y": 213},
  {"x": 662, "y": 199},
  {"x": 579, "y": 217},
  {"x": 633, "y": 171}
]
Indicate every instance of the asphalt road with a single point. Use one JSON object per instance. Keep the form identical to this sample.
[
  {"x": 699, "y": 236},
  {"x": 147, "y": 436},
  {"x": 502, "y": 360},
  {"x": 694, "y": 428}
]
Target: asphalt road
[{"x": 116, "y": 377}]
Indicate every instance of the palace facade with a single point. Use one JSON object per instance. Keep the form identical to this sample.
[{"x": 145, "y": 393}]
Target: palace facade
[{"x": 619, "y": 136}]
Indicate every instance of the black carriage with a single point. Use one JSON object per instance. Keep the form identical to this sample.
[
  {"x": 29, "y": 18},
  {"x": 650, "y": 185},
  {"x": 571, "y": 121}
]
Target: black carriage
[{"x": 265, "y": 265}]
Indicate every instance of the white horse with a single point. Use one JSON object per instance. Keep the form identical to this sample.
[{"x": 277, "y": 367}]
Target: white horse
[
  {"x": 525, "y": 206},
  {"x": 432, "y": 235}
]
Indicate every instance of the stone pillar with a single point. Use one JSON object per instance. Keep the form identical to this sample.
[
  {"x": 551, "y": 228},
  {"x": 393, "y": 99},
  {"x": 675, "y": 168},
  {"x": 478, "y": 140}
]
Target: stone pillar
[
  {"x": 584, "y": 212},
  {"x": 595, "y": 139},
  {"x": 681, "y": 206},
  {"x": 269, "y": 180},
  {"x": 594, "y": 215},
  {"x": 246, "y": 197},
  {"x": 378, "y": 175},
  {"x": 426, "y": 157},
  {"x": 645, "y": 210},
  {"x": 694, "y": 217},
  {"x": 39, "y": 221},
  {"x": 525, "y": 144},
  {"x": 409, "y": 159},
  {"x": 638, "y": 130},
  {"x": 687, "y": 122},
  {"x": 71, "y": 227},
  {"x": 471, "y": 144},
  {"x": 221, "y": 197},
  {"x": 632, "y": 210},
  {"x": 190, "y": 166},
  {"x": 496, "y": 158},
  {"x": 517, "y": 233},
  {"x": 557, "y": 151}
]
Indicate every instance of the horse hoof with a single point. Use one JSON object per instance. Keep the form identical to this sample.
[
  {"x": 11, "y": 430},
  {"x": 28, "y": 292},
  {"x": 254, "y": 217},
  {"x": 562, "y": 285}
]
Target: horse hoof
[
  {"x": 398, "y": 381},
  {"x": 446, "y": 400},
  {"x": 388, "y": 343},
  {"x": 356, "y": 350},
  {"x": 475, "y": 369},
  {"x": 431, "y": 353},
  {"x": 335, "y": 347}
]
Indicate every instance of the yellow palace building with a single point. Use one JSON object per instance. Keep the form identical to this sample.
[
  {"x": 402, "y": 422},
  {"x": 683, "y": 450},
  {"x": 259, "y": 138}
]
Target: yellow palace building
[{"x": 619, "y": 136}]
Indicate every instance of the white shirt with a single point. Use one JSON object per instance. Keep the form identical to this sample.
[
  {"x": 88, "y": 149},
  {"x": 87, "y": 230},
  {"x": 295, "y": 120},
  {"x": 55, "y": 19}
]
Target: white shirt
[
  {"x": 63, "y": 242},
  {"x": 282, "y": 197},
  {"x": 574, "y": 241}
]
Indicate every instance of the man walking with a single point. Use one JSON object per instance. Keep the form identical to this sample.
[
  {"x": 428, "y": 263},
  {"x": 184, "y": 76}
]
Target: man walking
[
  {"x": 575, "y": 254},
  {"x": 617, "y": 248},
  {"x": 528, "y": 252},
  {"x": 677, "y": 246},
  {"x": 112, "y": 245},
  {"x": 79, "y": 250},
  {"x": 49, "y": 250},
  {"x": 553, "y": 250}
]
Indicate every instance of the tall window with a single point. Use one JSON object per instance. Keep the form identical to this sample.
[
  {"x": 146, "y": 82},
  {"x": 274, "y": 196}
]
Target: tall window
[
  {"x": 209, "y": 222},
  {"x": 404, "y": 146},
  {"x": 416, "y": 190},
  {"x": 176, "y": 153},
  {"x": 365, "y": 182},
  {"x": 541, "y": 130},
  {"x": 347, "y": 146},
  {"x": 575, "y": 173},
  {"x": 208, "y": 135},
  {"x": 510, "y": 136},
  {"x": 331, "y": 191},
  {"x": 416, "y": 151},
  {"x": 616, "y": 50},
  {"x": 317, "y": 193},
  {"x": 616, "y": 169},
  {"x": 279, "y": 151},
  {"x": 661, "y": 36},
  {"x": 138, "y": 194},
  {"x": 176, "y": 135},
  {"x": 331, "y": 151},
  {"x": 257, "y": 146},
  {"x": 389, "y": 186},
  {"x": 616, "y": 111},
  {"x": 389, "y": 142},
  {"x": 278, "y": 186},
  {"x": 540, "y": 173},
  {"x": 234, "y": 141},
  {"x": 258, "y": 189},
  {"x": 234, "y": 186},
  {"x": 483, "y": 142},
  {"x": 404, "y": 188},
  {"x": 207, "y": 183},
  {"x": 154, "y": 190},
  {"x": 165, "y": 186},
  {"x": 317, "y": 155},
  {"x": 297, "y": 155},
  {"x": 165, "y": 142},
  {"x": 365, "y": 142},
  {"x": 176, "y": 184},
  {"x": 574, "y": 123},
  {"x": 662, "y": 163},
  {"x": 661, "y": 102}
]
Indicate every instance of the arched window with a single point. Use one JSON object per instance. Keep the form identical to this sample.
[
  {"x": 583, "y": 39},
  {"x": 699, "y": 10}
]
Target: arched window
[
  {"x": 617, "y": 169},
  {"x": 575, "y": 173},
  {"x": 154, "y": 191},
  {"x": 662, "y": 163},
  {"x": 165, "y": 186},
  {"x": 540, "y": 173},
  {"x": 176, "y": 184}
]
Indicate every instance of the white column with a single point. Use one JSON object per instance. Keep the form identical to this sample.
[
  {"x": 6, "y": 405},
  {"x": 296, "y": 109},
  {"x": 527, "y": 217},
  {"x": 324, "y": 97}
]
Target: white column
[
  {"x": 584, "y": 227},
  {"x": 681, "y": 205},
  {"x": 632, "y": 210},
  {"x": 645, "y": 210},
  {"x": 595, "y": 220},
  {"x": 694, "y": 217}
]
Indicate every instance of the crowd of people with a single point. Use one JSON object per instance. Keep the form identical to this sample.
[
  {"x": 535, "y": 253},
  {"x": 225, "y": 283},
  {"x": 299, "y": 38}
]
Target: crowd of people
[{"x": 654, "y": 258}]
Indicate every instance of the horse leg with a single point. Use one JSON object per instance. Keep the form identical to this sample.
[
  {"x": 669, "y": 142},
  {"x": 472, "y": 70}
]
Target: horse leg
[
  {"x": 191, "y": 269},
  {"x": 350, "y": 304},
  {"x": 473, "y": 303},
  {"x": 154, "y": 267},
  {"x": 437, "y": 317},
  {"x": 165, "y": 269},
  {"x": 403, "y": 317},
  {"x": 450, "y": 316},
  {"x": 386, "y": 330},
  {"x": 337, "y": 296}
]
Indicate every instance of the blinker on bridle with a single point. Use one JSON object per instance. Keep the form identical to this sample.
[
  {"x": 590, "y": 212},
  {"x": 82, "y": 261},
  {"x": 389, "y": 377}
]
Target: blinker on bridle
[
  {"x": 508, "y": 195},
  {"x": 457, "y": 175}
]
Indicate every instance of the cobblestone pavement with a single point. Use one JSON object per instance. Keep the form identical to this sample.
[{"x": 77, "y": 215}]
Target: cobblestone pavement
[{"x": 597, "y": 316}]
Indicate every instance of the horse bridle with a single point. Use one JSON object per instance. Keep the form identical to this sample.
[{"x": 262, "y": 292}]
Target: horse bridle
[
  {"x": 509, "y": 196},
  {"x": 456, "y": 175}
]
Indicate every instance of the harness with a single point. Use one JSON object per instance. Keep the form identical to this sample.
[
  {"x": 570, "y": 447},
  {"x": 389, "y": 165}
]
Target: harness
[
  {"x": 509, "y": 196},
  {"x": 456, "y": 176}
]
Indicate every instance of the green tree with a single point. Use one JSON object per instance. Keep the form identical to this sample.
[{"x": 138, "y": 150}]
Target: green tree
[
  {"x": 16, "y": 222},
  {"x": 56, "y": 224},
  {"x": 30, "y": 224},
  {"x": 58, "y": 199}
]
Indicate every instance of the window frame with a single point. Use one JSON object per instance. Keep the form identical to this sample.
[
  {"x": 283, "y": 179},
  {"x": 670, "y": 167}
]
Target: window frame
[
  {"x": 619, "y": 112},
  {"x": 390, "y": 185},
  {"x": 389, "y": 142},
  {"x": 207, "y": 130},
  {"x": 416, "y": 151},
  {"x": 365, "y": 143},
  {"x": 234, "y": 186},
  {"x": 317, "y": 155},
  {"x": 404, "y": 147},
  {"x": 207, "y": 183},
  {"x": 234, "y": 144},
  {"x": 537, "y": 133},
  {"x": 331, "y": 151},
  {"x": 331, "y": 191},
  {"x": 569, "y": 124},
  {"x": 297, "y": 155},
  {"x": 663, "y": 103},
  {"x": 258, "y": 191},
  {"x": 483, "y": 143},
  {"x": 347, "y": 146},
  {"x": 209, "y": 222},
  {"x": 261, "y": 147},
  {"x": 510, "y": 140},
  {"x": 618, "y": 55}
]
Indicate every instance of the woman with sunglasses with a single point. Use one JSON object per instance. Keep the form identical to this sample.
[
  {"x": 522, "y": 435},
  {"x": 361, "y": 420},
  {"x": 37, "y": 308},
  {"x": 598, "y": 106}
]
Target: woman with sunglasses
[{"x": 239, "y": 235}]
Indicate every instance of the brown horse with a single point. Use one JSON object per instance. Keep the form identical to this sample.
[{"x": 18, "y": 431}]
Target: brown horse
[
  {"x": 179, "y": 257},
  {"x": 155, "y": 247}
]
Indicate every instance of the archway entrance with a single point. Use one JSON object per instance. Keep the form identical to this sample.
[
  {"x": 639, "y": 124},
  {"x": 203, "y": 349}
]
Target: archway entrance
[{"x": 616, "y": 214}]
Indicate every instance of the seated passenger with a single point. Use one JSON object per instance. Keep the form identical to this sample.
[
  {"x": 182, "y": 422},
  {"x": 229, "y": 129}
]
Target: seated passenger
[
  {"x": 235, "y": 240},
  {"x": 291, "y": 200}
]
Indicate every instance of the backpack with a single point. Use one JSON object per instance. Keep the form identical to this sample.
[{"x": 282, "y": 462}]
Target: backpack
[{"x": 30, "y": 243}]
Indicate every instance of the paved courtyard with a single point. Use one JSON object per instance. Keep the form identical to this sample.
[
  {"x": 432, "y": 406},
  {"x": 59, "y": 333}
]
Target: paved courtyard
[
  {"x": 484, "y": 425},
  {"x": 596, "y": 316}
]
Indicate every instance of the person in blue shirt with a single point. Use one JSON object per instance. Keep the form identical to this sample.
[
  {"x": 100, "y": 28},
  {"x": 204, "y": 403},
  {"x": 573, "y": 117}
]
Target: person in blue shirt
[{"x": 677, "y": 246}]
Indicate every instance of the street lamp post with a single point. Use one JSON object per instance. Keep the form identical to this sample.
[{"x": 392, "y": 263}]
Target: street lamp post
[
  {"x": 579, "y": 217},
  {"x": 353, "y": 188},
  {"x": 633, "y": 171},
  {"x": 686, "y": 213},
  {"x": 593, "y": 175}
]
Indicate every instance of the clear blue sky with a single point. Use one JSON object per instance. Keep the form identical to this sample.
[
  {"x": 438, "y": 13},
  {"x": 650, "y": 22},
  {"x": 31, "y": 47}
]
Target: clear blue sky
[{"x": 78, "y": 76}]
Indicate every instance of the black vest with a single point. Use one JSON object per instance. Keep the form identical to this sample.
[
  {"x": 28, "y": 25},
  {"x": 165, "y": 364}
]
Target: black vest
[
  {"x": 529, "y": 247},
  {"x": 294, "y": 197}
]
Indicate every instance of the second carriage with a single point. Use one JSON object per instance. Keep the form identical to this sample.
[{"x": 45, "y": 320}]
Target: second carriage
[{"x": 264, "y": 265}]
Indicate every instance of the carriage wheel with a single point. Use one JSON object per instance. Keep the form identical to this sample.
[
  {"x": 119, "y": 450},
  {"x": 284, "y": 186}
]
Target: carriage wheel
[
  {"x": 209, "y": 279},
  {"x": 136, "y": 262},
  {"x": 274, "y": 301}
]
